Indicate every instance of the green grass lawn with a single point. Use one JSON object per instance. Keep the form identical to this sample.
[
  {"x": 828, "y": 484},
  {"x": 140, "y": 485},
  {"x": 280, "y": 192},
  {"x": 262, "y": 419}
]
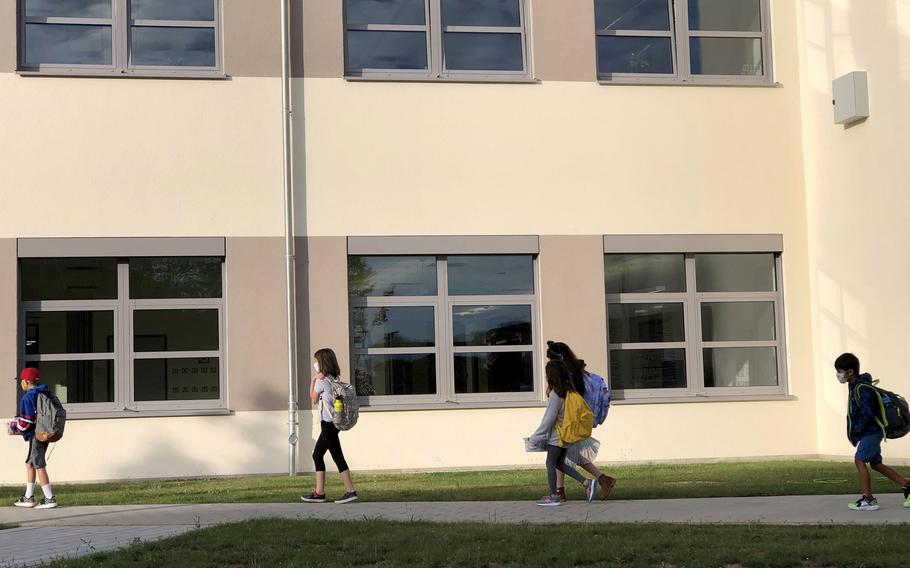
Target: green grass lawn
[
  {"x": 635, "y": 482},
  {"x": 277, "y": 543}
]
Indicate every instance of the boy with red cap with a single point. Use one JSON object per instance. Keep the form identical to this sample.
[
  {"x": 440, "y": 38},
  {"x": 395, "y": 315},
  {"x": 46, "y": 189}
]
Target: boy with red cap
[{"x": 24, "y": 425}]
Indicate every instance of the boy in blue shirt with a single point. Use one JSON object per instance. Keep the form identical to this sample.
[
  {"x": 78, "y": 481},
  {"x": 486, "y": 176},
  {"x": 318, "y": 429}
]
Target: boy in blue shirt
[
  {"x": 864, "y": 432},
  {"x": 24, "y": 425}
]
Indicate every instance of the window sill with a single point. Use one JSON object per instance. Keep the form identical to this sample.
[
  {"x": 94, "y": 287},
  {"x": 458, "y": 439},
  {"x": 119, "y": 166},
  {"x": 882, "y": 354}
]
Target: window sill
[
  {"x": 75, "y": 415},
  {"x": 213, "y": 76},
  {"x": 658, "y": 83},
  {"x": 421, "y": 79},
  {"x": 702, "y": 398},
  {"x": 453, "y": 406}
]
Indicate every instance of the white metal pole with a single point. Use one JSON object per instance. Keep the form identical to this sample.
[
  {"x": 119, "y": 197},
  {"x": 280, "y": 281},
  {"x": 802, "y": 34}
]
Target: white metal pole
[{"x": 286, "y": 114}]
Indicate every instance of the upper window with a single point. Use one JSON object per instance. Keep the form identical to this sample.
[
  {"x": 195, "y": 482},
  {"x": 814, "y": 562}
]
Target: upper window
[
  {"x": 690, "y": 41},
  {"x": 435, "y": 39},
  {"x": 136, "y": 334},
  {"x": 443, "y": 328},
  {"x": 136, "y": 37},
  {"x": 695, "y": 324}
]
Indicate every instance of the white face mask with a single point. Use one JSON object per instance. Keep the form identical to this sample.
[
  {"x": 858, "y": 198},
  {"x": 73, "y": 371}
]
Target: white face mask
[
  {"x": 841, "y": 377},
  {"x": 316, "y": 366}
]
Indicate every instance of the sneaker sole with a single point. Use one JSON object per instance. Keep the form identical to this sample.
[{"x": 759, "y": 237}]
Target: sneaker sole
[
  {"x": 343, "y": 501},
  {"x": 865, "y": 509},
  {"x": 54, "y": 506},
  {"x": 548, "y": 504},
  {"x": 24, "y": 505},
  {"x": 592, "y": 492},
  {"x": 305, "y": 500}
]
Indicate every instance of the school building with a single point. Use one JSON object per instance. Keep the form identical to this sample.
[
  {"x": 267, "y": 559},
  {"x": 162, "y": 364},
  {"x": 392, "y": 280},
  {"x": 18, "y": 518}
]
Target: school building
[{"x": 661, "y": 184}]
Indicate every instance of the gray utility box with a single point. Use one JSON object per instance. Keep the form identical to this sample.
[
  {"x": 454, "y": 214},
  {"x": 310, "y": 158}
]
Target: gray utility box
[{"x": 851, "y": 98}]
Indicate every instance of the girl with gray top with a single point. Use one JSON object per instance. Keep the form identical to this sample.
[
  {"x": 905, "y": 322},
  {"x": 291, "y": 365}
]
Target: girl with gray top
[{"x": 559, "y": 383}]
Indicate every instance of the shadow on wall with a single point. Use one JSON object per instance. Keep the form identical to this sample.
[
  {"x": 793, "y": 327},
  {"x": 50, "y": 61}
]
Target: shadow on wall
[{"x": 857, "y": 207}]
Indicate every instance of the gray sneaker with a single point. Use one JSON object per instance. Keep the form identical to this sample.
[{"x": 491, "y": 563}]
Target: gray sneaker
[
  {"x": 47, "y": 503},
  {"x": 27, "y": 502}
]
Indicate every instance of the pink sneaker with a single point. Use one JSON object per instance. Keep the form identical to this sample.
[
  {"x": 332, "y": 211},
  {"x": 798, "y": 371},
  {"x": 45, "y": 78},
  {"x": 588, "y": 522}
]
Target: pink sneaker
[{"x": 549, "y": 501}]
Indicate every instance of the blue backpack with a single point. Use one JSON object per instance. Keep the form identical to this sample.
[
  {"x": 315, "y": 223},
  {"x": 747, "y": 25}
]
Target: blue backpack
[{"x": 598, "y": 397}]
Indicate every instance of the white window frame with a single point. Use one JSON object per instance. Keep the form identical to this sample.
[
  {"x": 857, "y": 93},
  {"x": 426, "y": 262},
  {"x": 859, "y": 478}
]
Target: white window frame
[
  {"x": 121, "y": 24},
  {"x": 679, "y": 35},
  {"x": 435, "y": 29},
  {"x": 444, "y": 349},
  {"x": 124, "y": 356},
  {"x": 692, "y": 300}
]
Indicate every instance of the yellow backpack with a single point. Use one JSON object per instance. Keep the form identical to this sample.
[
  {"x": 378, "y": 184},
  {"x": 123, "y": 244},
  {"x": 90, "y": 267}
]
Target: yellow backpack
[{"x": 577, "y": 420}]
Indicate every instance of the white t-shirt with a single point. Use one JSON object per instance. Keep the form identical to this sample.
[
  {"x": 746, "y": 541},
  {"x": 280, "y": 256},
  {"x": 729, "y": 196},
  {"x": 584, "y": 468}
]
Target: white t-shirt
[{"x": 327, "y": 400}]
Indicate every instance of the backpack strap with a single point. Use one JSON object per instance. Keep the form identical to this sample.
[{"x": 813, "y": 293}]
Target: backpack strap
[{"x": 883, "y": 423}]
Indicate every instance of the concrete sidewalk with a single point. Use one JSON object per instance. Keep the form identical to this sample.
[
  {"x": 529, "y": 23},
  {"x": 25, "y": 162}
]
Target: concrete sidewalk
[{"x": 75, "y": 531}]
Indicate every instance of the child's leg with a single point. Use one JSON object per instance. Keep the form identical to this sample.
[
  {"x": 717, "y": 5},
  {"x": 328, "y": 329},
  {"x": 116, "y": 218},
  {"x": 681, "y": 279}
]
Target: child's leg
[
  {"x": 890, "y": 474},
  {"x": 560, "y": 479},
  {"x": 570, "y": 471},
  {"x": 338, "y": 457},
  {"x": 553, "y": 455},
  {"x": 322, "y": 446},
  {"x": 865, "y": 480},
  {"x": 592, "y": 469},
  {"x": 30, "y": 473}
]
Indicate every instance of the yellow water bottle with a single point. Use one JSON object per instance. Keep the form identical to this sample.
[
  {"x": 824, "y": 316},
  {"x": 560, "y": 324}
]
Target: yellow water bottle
[{"x": 339, "y": 406}]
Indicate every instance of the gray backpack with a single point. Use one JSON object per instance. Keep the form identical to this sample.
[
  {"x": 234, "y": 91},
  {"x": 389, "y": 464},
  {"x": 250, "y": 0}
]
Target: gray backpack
[
  {"x": 51, "y": 418},
  {"x": 350, "y": 411}
]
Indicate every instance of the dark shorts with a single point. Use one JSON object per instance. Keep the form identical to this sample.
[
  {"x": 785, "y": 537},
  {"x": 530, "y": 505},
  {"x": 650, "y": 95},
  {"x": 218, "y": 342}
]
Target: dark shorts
[
  {"x": 869, "y": 449},
  {"x": 36, "y": 453}
]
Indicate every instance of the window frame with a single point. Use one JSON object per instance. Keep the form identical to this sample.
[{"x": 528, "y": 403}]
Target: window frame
[
  {"x": 121, "y": 23},
  {"x": 444, "y": 347},
  {"x": 680, "y": 35},
  {"x": 692, "y": 301},
  {"x": 124, "y": 403},
  {"x": 435, "y": 29}
]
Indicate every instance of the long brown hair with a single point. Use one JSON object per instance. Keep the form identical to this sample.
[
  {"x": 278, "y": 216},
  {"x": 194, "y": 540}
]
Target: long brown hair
[
  {"x": 559, "y": 379},
  {"x": 558, "y": 351},
  {"x": 328, "y": 363}
]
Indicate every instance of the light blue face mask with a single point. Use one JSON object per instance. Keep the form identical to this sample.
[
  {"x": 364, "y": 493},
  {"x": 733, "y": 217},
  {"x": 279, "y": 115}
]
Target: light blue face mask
[{"x": 841, "y": 377}]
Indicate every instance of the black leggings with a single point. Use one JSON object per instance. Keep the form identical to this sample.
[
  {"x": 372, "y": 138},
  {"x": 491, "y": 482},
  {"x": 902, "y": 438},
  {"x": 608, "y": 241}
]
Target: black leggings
[
  {"x": 328, "y": 441},
  {"x": 556, "y": 459}
]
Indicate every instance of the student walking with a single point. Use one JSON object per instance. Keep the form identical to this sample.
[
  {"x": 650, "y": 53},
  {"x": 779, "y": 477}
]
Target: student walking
[
  {"x": 24, "y": 425},
  {"x": 327, "y": 371},
  {"x": 864, "y": 431},
  {"x": 584, "y": 452},
  {"x": 559, "y": 385}
]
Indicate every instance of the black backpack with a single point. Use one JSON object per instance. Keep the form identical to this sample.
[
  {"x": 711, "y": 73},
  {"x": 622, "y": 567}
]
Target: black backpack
[{"x": 894, "y": 413}]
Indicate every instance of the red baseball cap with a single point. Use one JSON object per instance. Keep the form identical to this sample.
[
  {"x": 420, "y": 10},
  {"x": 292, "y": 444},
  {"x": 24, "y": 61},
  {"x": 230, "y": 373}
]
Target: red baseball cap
[{"x": 29, "y": 374}]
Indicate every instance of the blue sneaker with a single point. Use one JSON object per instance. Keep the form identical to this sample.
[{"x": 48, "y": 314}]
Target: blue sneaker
[
  {"x": 549, "y": 501},
  {"x": 590, "y": 489}
]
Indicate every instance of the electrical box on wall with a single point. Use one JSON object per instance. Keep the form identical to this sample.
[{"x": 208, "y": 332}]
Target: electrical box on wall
[{"x": 851, "y": 98}]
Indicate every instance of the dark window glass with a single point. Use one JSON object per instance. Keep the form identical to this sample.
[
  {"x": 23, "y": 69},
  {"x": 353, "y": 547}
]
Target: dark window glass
[
  {"x": 402, "y": 12},
  {"x": 175, "y": 277},
  {"x": 645, "y": 273},
  {"x": 491, "y": 325},
  {"x": 191, "y": 10},
  {"x": 386, "y": 50},
  {"x": 78, "y": 381},
  {"x": 499, "y": 13},
  {"x": 632, "y": 15},
  {"x": 68, "y": 8},
  {"x": 391, "y": 276},
  {"x": 648, "y": 369},
  {"x": 725, "y": 15},
  {"x": 191, "y": 378},
  {"x": 494, "y": 372},
  {"x": 175, "y": 330},
  {"x": 483, "y": 52},
  {"x": 726, "y": 56},
  {"x": 67, "y": 44},
  {"x": 646, "y": 323},
  {"x": 380, "y": 375},
  {"x": 628, "y": 54},
  {"x": 69, "y": 279},
  {"x": 491, "y": 275},
  {"x": 393, "y": 327},
  {"x": 69, "y": 332},
  {"x": 172, "y": 47},
  {"x": 737, "y": 321},
  {"x": 735, "y": 273},
  {"x": 740, "y": 367}
]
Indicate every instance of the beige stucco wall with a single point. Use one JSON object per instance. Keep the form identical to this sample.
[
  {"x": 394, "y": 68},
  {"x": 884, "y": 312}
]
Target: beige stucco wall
[
  {"x": 107, "y": 157},
  {"x": 9, "y": 315},
  {"x": 858, "y": 205}
]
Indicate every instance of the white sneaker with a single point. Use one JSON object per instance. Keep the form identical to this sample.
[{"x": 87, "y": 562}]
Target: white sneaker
[
  {"x": 863, "y": 504},
  {"x": 27, "y": 502},
  {"x": 47, "y": 503}
]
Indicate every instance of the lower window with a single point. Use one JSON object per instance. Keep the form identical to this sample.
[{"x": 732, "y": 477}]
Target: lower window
[
  {"x": 116, "y": 334},
  {"x": 688, "y": 324}
]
